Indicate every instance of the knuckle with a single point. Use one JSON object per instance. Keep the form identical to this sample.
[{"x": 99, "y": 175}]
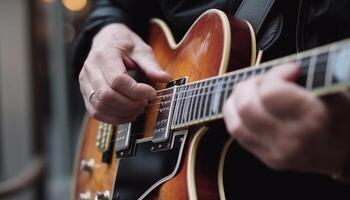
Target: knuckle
[
  {"x": 117, "y": 82},
  {"x": 147, "y": 48},
  {"x": 266, "y": 96},
  {"x": 144, "y": 49},
  {"x": 96, "y": 114},
  {"x": 124, "y": 45},
  {"x": 98, "y": 53},
  {"x": 105, "y": 96},
  {"x": 244, "y": 107},
  {"x": 236, "y": 129},
  {"x": 99, "y": 106},
  {"x": 277, "y": 161}
]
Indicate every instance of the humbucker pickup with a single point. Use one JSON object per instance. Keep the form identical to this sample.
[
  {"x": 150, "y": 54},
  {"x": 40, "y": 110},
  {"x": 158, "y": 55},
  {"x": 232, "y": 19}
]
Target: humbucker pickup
[
  {"x": 122, "y": 139},
  {"x": 162, "y": 129}
]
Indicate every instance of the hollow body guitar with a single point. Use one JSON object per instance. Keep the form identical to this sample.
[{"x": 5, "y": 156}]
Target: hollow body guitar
[{"x": 168, "y": 152}]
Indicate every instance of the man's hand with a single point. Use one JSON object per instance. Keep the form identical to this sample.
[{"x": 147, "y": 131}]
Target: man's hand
[
  {"x": 287, "y": 127},
  {"x": 111, "y": 95}
]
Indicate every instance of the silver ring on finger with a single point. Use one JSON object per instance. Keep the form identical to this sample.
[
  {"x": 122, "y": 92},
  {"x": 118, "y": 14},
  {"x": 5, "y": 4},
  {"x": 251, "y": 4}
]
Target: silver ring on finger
[{"x": 91, "y": 95}]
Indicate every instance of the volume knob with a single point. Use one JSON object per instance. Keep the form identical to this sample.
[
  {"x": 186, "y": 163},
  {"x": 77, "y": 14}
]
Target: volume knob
[
  {"x": 87, "y": 165},
  {"x": 85, "y": 196},
  {"x": 102, "y": 195}
]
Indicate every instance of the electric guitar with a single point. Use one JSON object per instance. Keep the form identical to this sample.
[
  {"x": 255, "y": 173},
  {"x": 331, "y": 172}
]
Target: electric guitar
[{"x": 168, "y": 153}]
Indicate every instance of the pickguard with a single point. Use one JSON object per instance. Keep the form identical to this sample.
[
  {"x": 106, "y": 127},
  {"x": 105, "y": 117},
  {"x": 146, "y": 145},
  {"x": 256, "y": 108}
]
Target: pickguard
[{"x": 138, "y": 175}]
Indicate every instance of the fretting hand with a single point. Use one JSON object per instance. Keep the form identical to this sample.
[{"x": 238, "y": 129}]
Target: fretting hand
[{"x": 287, "y": 127}]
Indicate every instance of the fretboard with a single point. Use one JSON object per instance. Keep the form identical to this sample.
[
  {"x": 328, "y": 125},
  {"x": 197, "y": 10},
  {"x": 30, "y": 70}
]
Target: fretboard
[{"x": 321, "y": 70}]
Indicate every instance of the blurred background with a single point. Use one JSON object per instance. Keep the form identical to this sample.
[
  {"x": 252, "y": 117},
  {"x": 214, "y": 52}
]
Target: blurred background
[{"x": 40, "y": 106}]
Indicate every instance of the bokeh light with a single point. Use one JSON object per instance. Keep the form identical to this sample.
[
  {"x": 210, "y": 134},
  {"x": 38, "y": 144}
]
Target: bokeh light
[{"x": 74, "y": 5}]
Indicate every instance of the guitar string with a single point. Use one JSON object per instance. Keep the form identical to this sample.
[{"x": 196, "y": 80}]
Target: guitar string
[
  {"x": 211, "y": 85},
  {"x": 294, "y": 58},
  {"x": 204, "y": 90},
  {"x": 194, "y": 90},
  {"x": 197, "y": 90}
]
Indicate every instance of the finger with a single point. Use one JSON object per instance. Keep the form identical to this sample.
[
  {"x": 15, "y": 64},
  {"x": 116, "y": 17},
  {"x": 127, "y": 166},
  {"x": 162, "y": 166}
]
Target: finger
[
  {"x": 142, "y": 54},
  {"x": 115, "y": 101},
  {"x": 279, "y": 95},
  {"x": 86, "y": 88},
  {"x": 251, "y": 111},
  {"x": 283, "y": 99},
  {"x": 114, "y": 72},
  {"x": 231, "y": 117},
  {"x": 114, "y": 109},
  {"x": 106, "y": 118},
  {"x": 287, "y": 72},
  {"x": 126, "y": 85},
  {"x": 237, "y": 130},
  {"x": 111, "y": 102}
]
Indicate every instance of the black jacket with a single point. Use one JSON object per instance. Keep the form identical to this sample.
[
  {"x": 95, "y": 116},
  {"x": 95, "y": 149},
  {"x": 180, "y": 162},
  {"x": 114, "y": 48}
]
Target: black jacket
[{"x": 291, "y": 26}]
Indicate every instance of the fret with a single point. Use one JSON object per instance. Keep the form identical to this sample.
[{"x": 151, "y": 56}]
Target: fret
[
  {"x": 187, "y": 103},
  {"x": 206, "y": 97},
  {"x": 189, "y": 99},
  {"x": 298, "y": 59},
  {"x": 193, "y": 103},
  {"x": 210, "y": 95},
  {"x": 202, "y": 104},
  {"x": 176, "y": 107},
  {"x": 249, "y": 74},
  {"x": 304, "y": 66},
  {"x": 195, "y": 98},
  {"x": 259, "y": 70},
  {"x": 181, "y": 101},
  {"x": 218, "y": 96},
  {"x": 267, "y": 68},
  {"x": 232, "y": 84},
  {"x": 228, "y": 80},
  {"x": 330, "y": 66},
  {"x": 198, "y": 100},
  {"x": 190, "y": 102},
  {"x": 310, "y": 73},
  {"x": 244, "y": 76},
  {"x": 341, "y": 66},
  {"x": 320, "y": 71}
]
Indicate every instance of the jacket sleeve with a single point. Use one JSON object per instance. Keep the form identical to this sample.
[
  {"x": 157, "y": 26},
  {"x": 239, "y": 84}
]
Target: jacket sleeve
[
  {"x": 103, "y": 12},
  {"x": 323, "y": 22}
]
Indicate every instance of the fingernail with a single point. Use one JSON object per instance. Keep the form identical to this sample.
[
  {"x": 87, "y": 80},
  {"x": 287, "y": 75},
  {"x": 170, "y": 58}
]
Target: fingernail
[{"x": 165, "y": 75}]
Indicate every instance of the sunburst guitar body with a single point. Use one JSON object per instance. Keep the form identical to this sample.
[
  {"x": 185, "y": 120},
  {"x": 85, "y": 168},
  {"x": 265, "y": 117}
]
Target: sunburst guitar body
[
  {"x": 174, "y": 150},
  {"x": 184, "y": 164}
]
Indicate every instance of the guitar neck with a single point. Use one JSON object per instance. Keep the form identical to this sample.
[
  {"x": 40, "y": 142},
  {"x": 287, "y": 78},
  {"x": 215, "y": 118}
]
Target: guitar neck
[{"x": 322, "y": 70}]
